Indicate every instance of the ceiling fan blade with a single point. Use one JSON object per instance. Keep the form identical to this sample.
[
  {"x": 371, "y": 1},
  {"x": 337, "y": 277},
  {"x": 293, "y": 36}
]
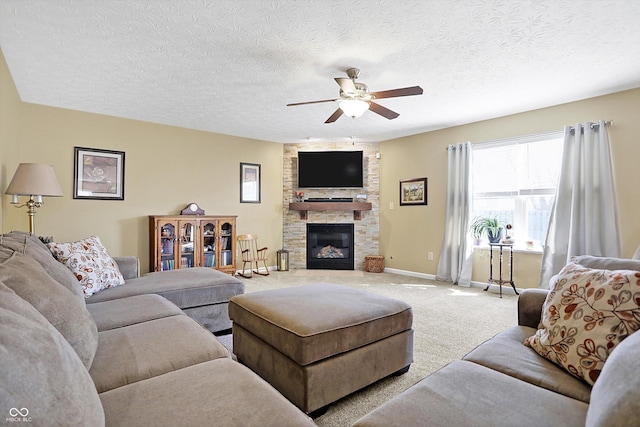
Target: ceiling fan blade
[
  {"x": 335, "y": 116},
  {"x": 346, "y": 84},
  {"x": 405, "y": 91},
  {"x": 383, "y": 111},
  {"x": 311, "y": 102}
]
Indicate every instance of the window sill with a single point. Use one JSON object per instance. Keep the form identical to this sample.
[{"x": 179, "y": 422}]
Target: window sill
[{"x": 515, "y": 249}]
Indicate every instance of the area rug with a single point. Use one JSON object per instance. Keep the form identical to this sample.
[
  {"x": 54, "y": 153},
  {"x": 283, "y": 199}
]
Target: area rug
[{"x": 329, "y": 273}]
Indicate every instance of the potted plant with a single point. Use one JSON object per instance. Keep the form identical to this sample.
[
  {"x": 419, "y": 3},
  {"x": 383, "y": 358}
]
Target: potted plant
[{"x": 489, "y": 225}]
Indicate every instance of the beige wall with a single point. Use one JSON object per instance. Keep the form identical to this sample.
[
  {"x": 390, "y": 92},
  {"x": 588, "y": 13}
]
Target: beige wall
[
  {"x": 9, "y": 113},
  {"x": 408, "y": 233},
  {"x": 165, "y": 169}
]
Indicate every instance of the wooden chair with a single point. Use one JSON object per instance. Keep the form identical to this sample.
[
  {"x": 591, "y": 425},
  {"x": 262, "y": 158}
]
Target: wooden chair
[{"x": 252, "y": 255}]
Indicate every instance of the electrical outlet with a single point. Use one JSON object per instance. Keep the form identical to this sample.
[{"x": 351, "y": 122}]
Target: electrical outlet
[
  {"x": 390, "y": 205},
  {"x": 430, "y": 256}
]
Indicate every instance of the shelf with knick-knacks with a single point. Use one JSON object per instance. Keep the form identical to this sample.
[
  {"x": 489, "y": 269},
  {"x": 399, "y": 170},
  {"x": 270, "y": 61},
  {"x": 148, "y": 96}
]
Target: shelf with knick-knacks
[{"x": 304, "y": 207}]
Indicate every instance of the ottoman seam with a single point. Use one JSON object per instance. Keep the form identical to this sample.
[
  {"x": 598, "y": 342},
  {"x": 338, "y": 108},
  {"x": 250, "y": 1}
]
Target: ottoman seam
[{"x": 326, "y": 330}]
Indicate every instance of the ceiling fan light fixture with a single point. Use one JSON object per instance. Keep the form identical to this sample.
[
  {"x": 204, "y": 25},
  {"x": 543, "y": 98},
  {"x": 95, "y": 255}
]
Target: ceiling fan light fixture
[{"x": 354, "y": 107}]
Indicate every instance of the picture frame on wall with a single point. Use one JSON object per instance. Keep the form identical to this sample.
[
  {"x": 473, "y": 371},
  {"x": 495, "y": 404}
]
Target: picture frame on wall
[
  {"x": 98, "y": 174},
  {"x": 413, "y": 192},
  {"x": 250, "y": 183}
]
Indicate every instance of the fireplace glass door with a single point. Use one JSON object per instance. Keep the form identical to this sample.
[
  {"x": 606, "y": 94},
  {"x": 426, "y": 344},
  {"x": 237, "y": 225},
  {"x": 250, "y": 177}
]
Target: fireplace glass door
[{"x": 330, "y": 246}]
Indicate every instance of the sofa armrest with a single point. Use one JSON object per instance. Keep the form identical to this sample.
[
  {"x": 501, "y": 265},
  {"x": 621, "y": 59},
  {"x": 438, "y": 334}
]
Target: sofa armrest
[
  {"x": 530, "y": 307},
  {"x": 129, "y": 266}
]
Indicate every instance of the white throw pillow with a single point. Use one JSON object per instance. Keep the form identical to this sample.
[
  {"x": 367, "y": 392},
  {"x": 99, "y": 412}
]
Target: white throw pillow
[{"x": 90, "y": 262}]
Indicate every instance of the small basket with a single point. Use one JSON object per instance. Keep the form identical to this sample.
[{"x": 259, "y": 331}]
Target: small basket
[{"x": 374, "y": 263}]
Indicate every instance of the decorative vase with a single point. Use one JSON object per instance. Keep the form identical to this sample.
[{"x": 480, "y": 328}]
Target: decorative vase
[{"x": 495, "y": 239}]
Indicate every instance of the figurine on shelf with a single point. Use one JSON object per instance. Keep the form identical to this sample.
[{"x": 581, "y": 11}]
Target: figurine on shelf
[
  {"x": 508, "y": 240},
  {"x": 299, "y": 196}
]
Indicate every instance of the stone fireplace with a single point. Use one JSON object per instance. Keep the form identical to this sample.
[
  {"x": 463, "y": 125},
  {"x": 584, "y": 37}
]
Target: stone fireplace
[
  {"x": 366, "y": 230},
  {"x": 330, "y": 246}
]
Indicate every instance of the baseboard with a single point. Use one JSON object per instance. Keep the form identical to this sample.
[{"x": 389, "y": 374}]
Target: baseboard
[{"x": 410, "y": 273}]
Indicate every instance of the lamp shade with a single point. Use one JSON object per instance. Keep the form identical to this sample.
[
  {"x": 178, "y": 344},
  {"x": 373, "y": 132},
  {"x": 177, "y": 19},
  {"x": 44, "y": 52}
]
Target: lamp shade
[
  {"x": 354, "y": 107},
  {"x": 35, "y": 179}
]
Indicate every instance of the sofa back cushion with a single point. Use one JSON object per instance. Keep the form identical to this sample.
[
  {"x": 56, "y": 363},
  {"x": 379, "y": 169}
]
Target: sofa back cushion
[
  {"x": 26, "y": 277},
  {"x": 615, "y": 398},
  {"x": 43, "y": 380},
  {"x": 607, "y": 263},
  {"x": 27, "y": 243}
]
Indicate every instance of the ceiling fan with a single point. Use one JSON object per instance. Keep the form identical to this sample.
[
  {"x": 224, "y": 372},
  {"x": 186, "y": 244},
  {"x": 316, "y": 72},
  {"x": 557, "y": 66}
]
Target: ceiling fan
[{"x": 355, "y": 98}]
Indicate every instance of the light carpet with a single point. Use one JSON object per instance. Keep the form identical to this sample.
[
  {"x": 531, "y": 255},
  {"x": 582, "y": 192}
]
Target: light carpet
[
  {"x": 329, "y": 273},
  {"x": 448, "y": 322}
]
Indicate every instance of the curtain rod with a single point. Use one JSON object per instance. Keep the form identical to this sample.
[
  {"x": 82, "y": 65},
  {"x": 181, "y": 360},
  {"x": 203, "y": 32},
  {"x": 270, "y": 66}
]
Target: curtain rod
[
  {"x": 593, "y": 125},
  {"x": 571, "y": 129}
]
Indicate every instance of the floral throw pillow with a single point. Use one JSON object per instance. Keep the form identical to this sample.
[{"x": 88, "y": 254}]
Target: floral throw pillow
[
  {"x": 587, "y": 313},
  {"x": 90, "y": 263}
]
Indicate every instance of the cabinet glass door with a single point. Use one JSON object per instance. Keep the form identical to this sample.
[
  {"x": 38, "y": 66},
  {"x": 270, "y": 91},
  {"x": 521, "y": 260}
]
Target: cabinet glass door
[
  {"x": 226, "y": 244},
  {"x": 187, "y": 244},
  {"x": 208, "y": 243},
  {"x": 167, "y": 246}
]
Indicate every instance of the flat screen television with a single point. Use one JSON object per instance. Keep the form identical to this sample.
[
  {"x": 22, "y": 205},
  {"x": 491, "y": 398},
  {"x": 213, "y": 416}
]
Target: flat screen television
[{"x": 330, "y": 169}]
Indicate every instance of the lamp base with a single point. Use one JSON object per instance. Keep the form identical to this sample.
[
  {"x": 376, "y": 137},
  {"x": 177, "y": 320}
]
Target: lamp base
[{"x": 31, "y": 206}]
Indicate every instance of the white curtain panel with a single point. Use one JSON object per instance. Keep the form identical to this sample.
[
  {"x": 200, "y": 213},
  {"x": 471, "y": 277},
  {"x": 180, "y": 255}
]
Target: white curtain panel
[
  {"x": 584, "y": 216},
  {"x": 455, "y": 263}
]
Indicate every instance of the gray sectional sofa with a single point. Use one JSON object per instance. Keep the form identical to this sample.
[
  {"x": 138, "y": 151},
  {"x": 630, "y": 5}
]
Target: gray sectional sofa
[
  {"x": 201, "y": 293},
  {"x": 502, "y": 382},
  {"x": 128, "y": 356}
]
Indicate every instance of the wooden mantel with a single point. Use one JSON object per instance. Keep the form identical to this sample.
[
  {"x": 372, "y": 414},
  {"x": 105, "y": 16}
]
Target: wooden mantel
[{"x": 356, "y": 207}]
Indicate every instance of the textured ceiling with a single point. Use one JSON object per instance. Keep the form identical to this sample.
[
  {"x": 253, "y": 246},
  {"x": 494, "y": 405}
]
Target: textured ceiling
[{"x": 232, "y": 66}]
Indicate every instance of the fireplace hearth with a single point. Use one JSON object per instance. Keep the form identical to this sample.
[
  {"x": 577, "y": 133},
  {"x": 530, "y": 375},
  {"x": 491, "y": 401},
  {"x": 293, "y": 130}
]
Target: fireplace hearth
[{"x": 330, "y": 246}]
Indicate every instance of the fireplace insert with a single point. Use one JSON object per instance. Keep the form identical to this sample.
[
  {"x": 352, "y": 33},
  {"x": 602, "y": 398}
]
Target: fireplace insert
[{"x": 330, "y": 246}]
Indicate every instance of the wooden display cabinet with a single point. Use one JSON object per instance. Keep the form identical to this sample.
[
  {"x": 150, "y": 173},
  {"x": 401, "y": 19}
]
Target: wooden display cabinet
[{"x": 183, "y": 241}]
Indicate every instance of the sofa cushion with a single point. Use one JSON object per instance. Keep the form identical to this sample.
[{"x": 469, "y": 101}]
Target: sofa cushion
[
  {"x": 57, "y": 304},
  {"x": 506, "y": 353},
  {"x": 615, "y": 400},
  {"x": 89, "y": 260},
  {"x": 191, "y": 287},
  {"x": 218, "y": 392},
  {"x": 467, "y": 394},
  {"x": 137, "y": 352},
  {"x": 29, "y": 244},
  {"x": 131, "y": 310},
  {"x": 129, "y": 266},
  {"x": 42, "y": 376},
  {"x": 585, "y": 316}
]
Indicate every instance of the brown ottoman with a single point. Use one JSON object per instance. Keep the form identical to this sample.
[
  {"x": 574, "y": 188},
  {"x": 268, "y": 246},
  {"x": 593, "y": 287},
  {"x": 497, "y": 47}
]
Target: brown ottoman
[{"x": 318, "y": 343}]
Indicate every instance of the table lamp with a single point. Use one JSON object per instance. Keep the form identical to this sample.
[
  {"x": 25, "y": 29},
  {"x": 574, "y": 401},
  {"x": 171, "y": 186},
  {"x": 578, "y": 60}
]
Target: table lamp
[{"x": 34, "y": 180}]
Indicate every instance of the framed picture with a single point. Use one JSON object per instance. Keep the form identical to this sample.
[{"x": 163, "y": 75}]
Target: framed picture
[
  {"x": 249, "y": 183},
  {"x": 413, "y": 191},
  {"x": 98, "y": 174}
]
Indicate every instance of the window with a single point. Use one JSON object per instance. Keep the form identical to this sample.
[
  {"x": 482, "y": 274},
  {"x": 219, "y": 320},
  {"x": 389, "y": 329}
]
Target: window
[{"x": 515, "y": 180}]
